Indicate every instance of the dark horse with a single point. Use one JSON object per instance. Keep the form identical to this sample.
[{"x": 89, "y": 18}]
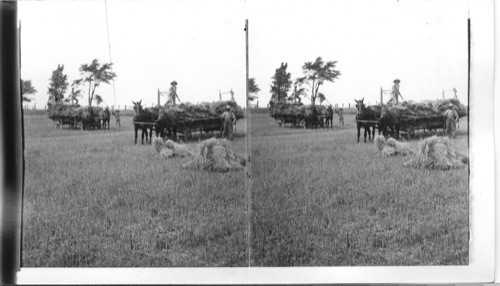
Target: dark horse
[
  {"x": 370, "y": 113},
  {"x": 389, "y": 118},
  {"x": 167, "y": 120},
  {"x": 106, "y": 116},
  {"x": 144, "y": 119}
]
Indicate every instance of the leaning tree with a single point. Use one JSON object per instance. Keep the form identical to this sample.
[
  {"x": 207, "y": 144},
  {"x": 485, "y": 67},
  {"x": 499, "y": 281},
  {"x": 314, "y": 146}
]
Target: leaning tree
[
  {"x": 93, "y": 75},
  {"x": 316, "y": 74}
]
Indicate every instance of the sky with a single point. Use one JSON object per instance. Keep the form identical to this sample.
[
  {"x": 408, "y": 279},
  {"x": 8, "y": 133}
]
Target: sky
[
  {"x": 422, "y": 43},
  {"x": 152, "y": 43},
  {"x": 201, "y": 45}
]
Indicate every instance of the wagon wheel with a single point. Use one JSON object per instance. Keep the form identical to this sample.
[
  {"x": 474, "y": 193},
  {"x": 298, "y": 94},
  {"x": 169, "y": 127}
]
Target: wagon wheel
[{"x": 410, "y": 132}]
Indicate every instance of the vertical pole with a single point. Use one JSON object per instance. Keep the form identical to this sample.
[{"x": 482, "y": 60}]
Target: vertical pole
[
  {"x": 443, "y": 93},
  {"x": 249, "y": 199},
  {"x": 158, "y": 97},
  {"x": 220, "y": 96},
  {"x": 11, "y": 142},
  {"x": 381, "y": 96}
]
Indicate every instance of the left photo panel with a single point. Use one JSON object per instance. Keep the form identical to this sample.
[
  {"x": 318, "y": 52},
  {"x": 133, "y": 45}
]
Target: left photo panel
[{"x": 134, "y": 134}]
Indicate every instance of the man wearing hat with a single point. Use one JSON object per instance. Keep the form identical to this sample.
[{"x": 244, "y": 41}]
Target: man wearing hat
[
  {"x": 172, "y": 93},
  {"x": 451, "y": 120},
  {"x": 395, "y": 91},
  {"x": 228, "y": 119}
]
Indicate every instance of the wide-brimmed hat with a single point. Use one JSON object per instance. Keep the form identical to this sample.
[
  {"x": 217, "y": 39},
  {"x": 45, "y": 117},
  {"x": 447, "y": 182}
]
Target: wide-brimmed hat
[
  {"x": 397, "y": 80},
  {"x": 173, "y": 83}
]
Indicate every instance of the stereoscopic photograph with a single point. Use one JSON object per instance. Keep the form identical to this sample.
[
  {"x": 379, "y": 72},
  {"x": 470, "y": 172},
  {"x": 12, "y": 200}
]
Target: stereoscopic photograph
[
  {"x": 134, "y": 132},
  {"x": 245, "y": 133},
  {"x": 359, "y": 143}
]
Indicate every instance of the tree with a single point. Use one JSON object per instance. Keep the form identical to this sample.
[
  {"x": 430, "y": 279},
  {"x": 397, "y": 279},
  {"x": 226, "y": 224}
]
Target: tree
[
  {"x": 98, "y": 99},
  {"x": 26, "y": 89},
  {"x": 58, "y": 84},
  {"x": 94, "y": 75},
  {"x": 281, "y": 83},
  {"x": 317, "y": 73},
  {"x": 253, "y": 89}
]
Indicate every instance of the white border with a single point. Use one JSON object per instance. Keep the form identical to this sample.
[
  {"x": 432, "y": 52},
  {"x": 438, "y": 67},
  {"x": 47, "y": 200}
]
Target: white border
[{"x": 482, "y": 199}]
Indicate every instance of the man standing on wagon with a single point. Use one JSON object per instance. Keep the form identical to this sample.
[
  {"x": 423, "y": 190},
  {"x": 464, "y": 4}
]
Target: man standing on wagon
[
  {"x": 228, "y": 119},
  {"x": 173, "y": 93},
  {"x": 395, "y": 92}
]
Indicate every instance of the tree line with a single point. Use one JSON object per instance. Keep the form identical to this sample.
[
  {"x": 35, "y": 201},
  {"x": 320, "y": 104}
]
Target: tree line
[
  {"x": 91, "y": 77},
  {"x": 315, "y": 74}
]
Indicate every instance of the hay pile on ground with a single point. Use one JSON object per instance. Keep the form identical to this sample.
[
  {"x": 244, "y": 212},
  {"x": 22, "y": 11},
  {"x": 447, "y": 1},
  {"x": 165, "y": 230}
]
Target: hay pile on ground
[
  {"x": 391, "y": 147},
  {"x": 215, "y": 155},
  {"x": 280, "y": 109},
  {"x": 169, "y": 149},
  {"x": 206, "y": 110},
  {"x": 430, "y": 108},
  {"x": 436, "y": 153}
]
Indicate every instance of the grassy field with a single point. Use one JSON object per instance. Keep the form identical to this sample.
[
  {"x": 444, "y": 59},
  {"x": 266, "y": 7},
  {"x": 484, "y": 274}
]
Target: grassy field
[
  {"x": 96, "y": 199},
  {"x": 319, "y": 198}
]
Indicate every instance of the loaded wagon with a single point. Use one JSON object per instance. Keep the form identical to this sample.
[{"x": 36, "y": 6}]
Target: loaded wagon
[
  {"x": 409, "y": 125},
  {"x": 206, "y": 126},
  {"x": 188, "y": 126},
  {"x": 292, "y": 119},
  {"x": 72, "y": 122}
]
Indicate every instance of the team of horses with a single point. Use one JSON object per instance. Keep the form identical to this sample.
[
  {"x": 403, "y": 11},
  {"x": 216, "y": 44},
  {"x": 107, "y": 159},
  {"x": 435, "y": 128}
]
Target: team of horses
[
  {"x": 375, "y": 116},
  {"x": 154, "y": 118}
]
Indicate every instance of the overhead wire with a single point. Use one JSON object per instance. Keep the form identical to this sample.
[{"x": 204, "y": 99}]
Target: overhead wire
[{"x": 109, "y": 48}]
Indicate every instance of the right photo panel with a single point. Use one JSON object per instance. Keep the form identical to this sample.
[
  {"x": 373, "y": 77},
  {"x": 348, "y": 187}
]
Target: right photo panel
[{"x": 358, "y": 133}]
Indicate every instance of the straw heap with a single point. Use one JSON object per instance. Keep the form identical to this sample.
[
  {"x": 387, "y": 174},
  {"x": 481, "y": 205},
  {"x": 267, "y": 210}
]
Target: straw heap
[
  {"x": 215, "y": 155},
  {"x": 391, "y": 147},
  {"x": 430, "y": 108},
  {"x": 206, "y": 110},
  {"x": 436, "y": 153},
  {"x": 295, "y": 109}
]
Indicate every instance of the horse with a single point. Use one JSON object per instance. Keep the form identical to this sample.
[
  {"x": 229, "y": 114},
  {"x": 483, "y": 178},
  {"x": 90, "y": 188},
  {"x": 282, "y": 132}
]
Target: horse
[
  {"x": 167, "y": 119},
  {"x": 144, "y": 119},
  {"x": 106, "y": 116},
  {"x": 370, "y": 113},
  {"x": 389, "y": 118}
]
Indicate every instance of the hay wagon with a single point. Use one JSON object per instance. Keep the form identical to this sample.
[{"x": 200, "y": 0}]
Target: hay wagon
[
  {"x": 411, "y": 124},
  {"x": 187, "y": 127},
  {"x": 292, "y": 119},
  {"x": 72, "y": 122}
]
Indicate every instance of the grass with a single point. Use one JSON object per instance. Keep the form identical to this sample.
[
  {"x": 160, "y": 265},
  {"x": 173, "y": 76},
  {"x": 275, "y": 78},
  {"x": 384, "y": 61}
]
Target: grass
[
  {"x": 96, "y": 199},
  {"x": 318, "y": 198}
]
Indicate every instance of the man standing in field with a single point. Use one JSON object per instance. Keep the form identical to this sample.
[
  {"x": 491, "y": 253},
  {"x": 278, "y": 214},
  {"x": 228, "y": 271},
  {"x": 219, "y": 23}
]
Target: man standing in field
[
  {"x": 451, "y": 120},
  {"x": 341, "y": 116},
  {"x": 228, "y": 119},
  {"x": 116, "y": 113}
]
